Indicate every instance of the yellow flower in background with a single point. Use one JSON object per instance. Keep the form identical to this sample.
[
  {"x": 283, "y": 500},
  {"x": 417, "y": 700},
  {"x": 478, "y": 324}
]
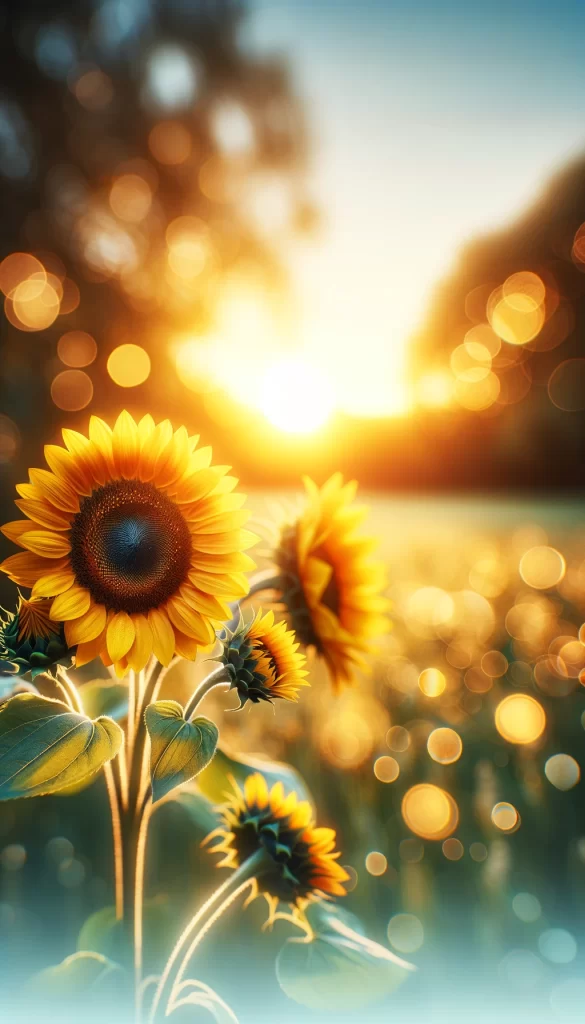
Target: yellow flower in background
[
  {"x": 136, "y": 537},
  {"x": 303, "y": 860},
  {"x": 263, "y": 660},
  {"x": 331, "y": 585}
]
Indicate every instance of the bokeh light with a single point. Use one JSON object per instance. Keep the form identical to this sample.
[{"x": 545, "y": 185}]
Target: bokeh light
[
  {"x": 129, "y": 365},
  {"x": 526, "y": 907},
  {"x": 520, "y": 718},
  {"x": 170, "y": 143},
  {"x": 453, "y": 849},
  {"x": 566, "y": 385},
  {"x": 542, "y": 567},
  {"x": 562, "y": 771},
  {"x": 386, "y": 769},
  {"x": 376, "y": 863},
  {"x": 405, "y": 933},
  {"x": 77, "y": 348},
  {"x": 131, "y": 198},
  {"x": 505, "y": 816},
  {"x": 444, "y": 745},
  {"x": 429, "y": 811},
  {"x": 72, "y": 390},
  {"x": 432, "y": 682}
]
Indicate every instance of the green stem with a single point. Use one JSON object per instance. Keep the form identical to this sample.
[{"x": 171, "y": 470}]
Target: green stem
[
  {"x": 220, "y": 676},
  {"x": 70, "y": 690},
  {"x": 199, "y": 925}
]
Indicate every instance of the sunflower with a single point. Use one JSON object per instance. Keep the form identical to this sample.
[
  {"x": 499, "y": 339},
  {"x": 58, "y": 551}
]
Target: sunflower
[
  {"x": 303, "y": 860},
  {"x": 331, "y": 587},
  {"x": 263, "y": 660},
  {"x": 30, "y": 641},
  {"x": 136, "y": 537}
]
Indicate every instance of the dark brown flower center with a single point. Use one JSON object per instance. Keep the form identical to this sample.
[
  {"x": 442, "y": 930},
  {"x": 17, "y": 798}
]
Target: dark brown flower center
[{"x": 130, "y": 546}]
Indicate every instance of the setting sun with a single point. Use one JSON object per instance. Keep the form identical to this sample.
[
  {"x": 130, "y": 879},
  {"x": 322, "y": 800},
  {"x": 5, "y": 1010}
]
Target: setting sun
[{"x": 296, "y": 396}]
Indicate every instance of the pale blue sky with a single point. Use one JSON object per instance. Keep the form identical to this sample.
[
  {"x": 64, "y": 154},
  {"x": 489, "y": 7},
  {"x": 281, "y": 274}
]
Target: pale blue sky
[{"x": 430, "y": 122}]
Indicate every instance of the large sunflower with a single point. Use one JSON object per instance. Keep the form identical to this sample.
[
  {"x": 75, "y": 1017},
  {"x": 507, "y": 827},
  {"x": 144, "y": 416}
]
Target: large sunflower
[
  {"x": 264, "y": 660},
  {"x": 136, "y": 537},
  {"x": 303, "y": 859},
  {"x": 331, "y": 586}
]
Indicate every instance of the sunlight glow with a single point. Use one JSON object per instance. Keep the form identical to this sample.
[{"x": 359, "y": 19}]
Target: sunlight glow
[{"x": 296, "y": 396}]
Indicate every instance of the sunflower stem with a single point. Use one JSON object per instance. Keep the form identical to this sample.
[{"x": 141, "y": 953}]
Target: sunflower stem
[
  {"x": 114, "y": 799},
  {"x": 70, "y": 690},
  {"x": 198, "y": 927},
  {"x": 219, "y": 677},
  {"x": 265, "y": 580}
]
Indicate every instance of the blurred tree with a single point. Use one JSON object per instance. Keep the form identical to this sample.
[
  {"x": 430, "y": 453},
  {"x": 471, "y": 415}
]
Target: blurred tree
[
  {"x": 150, "y": 160},
  {"x": 520, "y": 294}
]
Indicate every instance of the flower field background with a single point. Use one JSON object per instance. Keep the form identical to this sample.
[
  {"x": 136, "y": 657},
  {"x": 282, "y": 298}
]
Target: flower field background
[{"x": 480, "y": 881}]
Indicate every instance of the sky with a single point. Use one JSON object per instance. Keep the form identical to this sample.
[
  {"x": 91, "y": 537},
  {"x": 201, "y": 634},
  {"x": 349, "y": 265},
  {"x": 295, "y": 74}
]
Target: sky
[{"x": 429, "y": 122}]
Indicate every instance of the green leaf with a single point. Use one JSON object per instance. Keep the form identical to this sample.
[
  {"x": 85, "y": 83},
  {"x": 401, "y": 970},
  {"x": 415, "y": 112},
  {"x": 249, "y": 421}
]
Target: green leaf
[
  {"x": 103, "y": 933},
  {"x": 214, "y": 782},
  {"x": 81, "y": 974},
  {"x": 103, "y": 697},
  {"x": 45, "y": 747},
  {"x": 179, "y": 749},
  {"x": 339, "y": 969}
]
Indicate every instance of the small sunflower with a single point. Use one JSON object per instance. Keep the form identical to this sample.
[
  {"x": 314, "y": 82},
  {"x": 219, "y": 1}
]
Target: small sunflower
[
  {"x": 264, "y": 660},
  {"x": 30, "y": 641},
  {"x": 331, "y": 586},
  {"x": 303, "y": 857},
  {"x": 136, "y": 537}
]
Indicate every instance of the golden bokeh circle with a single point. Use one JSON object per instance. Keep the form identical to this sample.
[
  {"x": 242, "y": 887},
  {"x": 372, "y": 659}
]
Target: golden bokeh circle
[
  {"x": 444, "y": 745},
  {"x": 429, "y": 811},
  {"x": 432, "y": 682},
  {"x": 505, "y": 816},
  {"x": 520, "y": 719},
  {"x": 542, "y": 567},
  {"x": 129, "y": 365},
  {"x": 72, "y": 390},
  {"x": 386, "y": 769}
]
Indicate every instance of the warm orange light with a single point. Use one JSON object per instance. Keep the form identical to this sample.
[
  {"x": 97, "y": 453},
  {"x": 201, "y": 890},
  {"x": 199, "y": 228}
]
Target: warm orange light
[
  {"x": 432, "y": 682},
  {"x": 130, "y": 198},
  {"x": 170, "y": 143},
  {"x": 520, "y": 718},
  {"x": 429, "y": 811},
  {"x": 444, "y": 746},
  {"x": 129, "y": 365}
]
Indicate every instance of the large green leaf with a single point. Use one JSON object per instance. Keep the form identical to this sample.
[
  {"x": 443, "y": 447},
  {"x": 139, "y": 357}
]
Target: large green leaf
[
  {"x": 339, "y": 969},
  {"x": 214, "y": 782},
  {"x": 105, "y": 697},
  {"x": 45, "y": 747},
  {"x": 179, "y": 750},
  {"x": 81, "y": 974},
  {"x": 103, "y": 933}
]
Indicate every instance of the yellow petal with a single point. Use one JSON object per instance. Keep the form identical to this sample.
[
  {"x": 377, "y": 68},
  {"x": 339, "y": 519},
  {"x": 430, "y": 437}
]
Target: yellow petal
[
  {"x": 185, "y": 646},
  {"x": 125, "y": 448},
  {"x": 199, "y": 485},
  {"x": 142, "y": 646},
  {"x": 60, "y": 494},
  {"x": 53, "y": 583},
  {"x": 120, "y": 635},
  {"x": 45, "y": 514},
  {"x": 48, "y": 545},
  {"x": 224, "y": 543},
  {"x": 15, "y": 530},
  {"x": 25, "y": 568},
  {"x": 68, "y": 469},
  {"x": 223, "y": 523},
  {"x": 228, "y": 585},
  {"x": 145, "y": 427},
  {"x": 205, "y": 604},
  {"x": 163, "y": 638},
  {"x": 70, "y": 605},
  {"x": 236, "y": 561},
  {"x": 87, "y": 627},
  {"x": 151, "y": 448},
  {"x": 188, "y": 621},
  {"x": 90, "y": 650},
  {"x": 172, "y": 460},
  {"x": 101, "y": 435}
]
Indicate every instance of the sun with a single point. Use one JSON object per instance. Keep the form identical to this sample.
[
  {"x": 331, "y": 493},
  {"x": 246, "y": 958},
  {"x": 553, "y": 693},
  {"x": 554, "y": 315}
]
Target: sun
[{"x": 296, "y": 396}]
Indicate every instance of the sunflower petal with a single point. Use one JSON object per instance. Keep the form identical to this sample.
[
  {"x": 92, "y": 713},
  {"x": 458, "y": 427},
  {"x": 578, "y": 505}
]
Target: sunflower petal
[
  {"x": 25, "y": 568},
  {"x": 90, "y": 650},
  {"x": 53, "y": 583},
  {"x": 163, "y": 638},
  {"x": 190, "y": 622},
  {"x": 15, "y": 530},
  {"x": 87, "y": 627},
  {"x": 185, "y": 646},
  {"x": 125, "y": 447},
  {"x": 142, "y": 647},
  {"x": 45, "y": 514},
  {"x": 60, "y": 494},
  {"x": 120, "y": 635},
  {"x": 46, "y": 544},
  {"x": 71, "y": 604},
  {"x": 67, "y": 468}
]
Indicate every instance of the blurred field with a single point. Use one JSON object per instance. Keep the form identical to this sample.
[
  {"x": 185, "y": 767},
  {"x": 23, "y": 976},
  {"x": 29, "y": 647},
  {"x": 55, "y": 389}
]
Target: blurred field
[{"x": 480, "y": 881}]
